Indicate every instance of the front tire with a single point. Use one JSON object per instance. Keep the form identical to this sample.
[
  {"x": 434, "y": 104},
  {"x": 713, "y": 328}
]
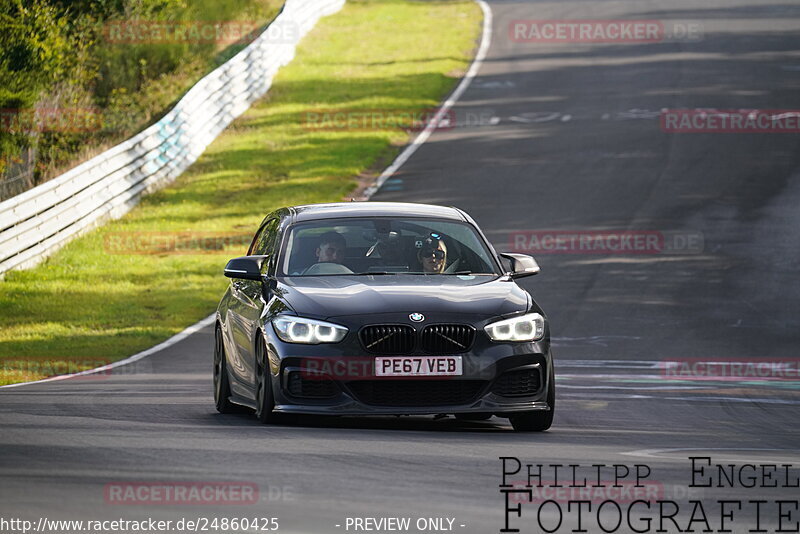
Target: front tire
[
  {"x": 265, "y": 401},
  {"x": 222, "y": 386},
  {"x": 538, "y": 420}
]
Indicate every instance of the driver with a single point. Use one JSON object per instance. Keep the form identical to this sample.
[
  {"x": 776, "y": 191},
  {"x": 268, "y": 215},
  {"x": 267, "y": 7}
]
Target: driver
[
  {"x": 433, "y": 254},
  {"x": 331, "y": 249}
]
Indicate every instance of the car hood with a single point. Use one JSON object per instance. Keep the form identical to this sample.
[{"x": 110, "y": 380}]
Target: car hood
[{"x": 335, "y": 296}]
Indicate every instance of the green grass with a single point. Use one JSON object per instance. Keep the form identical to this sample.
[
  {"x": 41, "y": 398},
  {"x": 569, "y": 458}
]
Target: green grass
[{"x": 89, "y": 304}]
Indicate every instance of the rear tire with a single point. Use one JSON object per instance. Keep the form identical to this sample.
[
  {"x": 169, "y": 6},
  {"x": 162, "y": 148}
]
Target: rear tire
[
  {"x": 265, "y": 401},
  {"x": 538, "y": 420},
  {"x": 222, "y": 386}
]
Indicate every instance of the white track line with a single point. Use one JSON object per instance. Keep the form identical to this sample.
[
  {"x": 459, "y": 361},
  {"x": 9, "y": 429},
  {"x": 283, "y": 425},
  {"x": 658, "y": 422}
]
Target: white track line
[
  {"x": 632, "y": 388},
  {"x": 712, "y": 398},
  {"x": 661, "y": 453},
  {"x": 135, "y": 358},
  {"x": 486, "y": 40}
]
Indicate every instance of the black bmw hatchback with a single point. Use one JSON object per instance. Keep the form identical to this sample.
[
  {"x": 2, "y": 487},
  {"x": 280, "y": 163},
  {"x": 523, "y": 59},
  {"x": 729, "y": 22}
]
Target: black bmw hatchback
[{"x": 381, "y": 308}]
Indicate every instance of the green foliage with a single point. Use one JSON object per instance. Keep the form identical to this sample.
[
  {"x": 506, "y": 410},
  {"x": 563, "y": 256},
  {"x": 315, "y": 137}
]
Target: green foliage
[{"x": 57, "y": 54}]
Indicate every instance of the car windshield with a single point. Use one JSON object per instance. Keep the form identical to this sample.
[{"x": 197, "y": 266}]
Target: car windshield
[{"x": 385, "y": 245}]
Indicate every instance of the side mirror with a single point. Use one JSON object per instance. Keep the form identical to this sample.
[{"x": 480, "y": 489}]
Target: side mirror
[
  {"x": 245, "y": 267},
  {"x": 521, "y": 265}
]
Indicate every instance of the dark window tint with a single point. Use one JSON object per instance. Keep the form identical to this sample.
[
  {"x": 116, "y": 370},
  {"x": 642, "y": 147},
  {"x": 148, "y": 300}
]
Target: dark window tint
[{"x": 264, "y": 241}]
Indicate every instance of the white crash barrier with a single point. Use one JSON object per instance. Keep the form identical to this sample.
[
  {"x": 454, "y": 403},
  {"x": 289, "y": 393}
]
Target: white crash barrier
[{"x": 38, "y": 222}]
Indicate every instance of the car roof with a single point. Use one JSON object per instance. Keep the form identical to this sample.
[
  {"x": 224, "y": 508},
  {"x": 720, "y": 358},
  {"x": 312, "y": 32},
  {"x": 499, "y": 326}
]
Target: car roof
[{"x": 310, "y": 212}]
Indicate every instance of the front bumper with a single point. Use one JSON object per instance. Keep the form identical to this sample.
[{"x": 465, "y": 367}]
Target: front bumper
[
  {"x": 498, "y": 378},
  {"x": 409, "y": 396}
]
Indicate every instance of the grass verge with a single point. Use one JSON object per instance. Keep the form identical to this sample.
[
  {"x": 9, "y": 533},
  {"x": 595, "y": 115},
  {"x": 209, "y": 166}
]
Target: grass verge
[{"x": 95, "y": 302}]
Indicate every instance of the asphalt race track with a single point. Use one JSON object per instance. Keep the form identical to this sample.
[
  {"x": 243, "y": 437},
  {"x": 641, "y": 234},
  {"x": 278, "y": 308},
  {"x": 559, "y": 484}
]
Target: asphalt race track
[{"x": 550, "y": 136}]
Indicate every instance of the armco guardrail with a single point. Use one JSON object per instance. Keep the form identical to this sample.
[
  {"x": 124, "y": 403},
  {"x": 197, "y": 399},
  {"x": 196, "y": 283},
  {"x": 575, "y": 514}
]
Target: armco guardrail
[{"x": 38, "y": 222}]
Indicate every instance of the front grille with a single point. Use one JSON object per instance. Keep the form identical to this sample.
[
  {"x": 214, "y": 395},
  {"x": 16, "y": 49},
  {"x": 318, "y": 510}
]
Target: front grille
[
  {"x": 447, "y": 338},
  {"x": 518, "y": 383},
  {"x": 388, "y": 339},
  {"x": 434, "y": 339},
  {"x": 416, "y": 392},
  {"x": 299, "y": 386}
]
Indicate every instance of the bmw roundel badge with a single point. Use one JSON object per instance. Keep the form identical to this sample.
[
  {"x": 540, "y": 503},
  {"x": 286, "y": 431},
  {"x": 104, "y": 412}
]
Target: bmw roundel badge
[{"x": 416, "y": 317}]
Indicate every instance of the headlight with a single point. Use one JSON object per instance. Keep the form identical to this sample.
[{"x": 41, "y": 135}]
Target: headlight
[
  {"x": 309, "y": 331},
  {"x": 529, "y": 327}
]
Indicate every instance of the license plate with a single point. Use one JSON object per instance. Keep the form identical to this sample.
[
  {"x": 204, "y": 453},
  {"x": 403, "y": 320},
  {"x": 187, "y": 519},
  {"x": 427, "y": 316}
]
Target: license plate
[{"x": 418, "y": 366}]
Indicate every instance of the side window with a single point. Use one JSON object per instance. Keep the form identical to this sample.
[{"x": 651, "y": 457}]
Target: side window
[
  {"x": 252, "y": 247},
  {"x": 265, "y": 240}
]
